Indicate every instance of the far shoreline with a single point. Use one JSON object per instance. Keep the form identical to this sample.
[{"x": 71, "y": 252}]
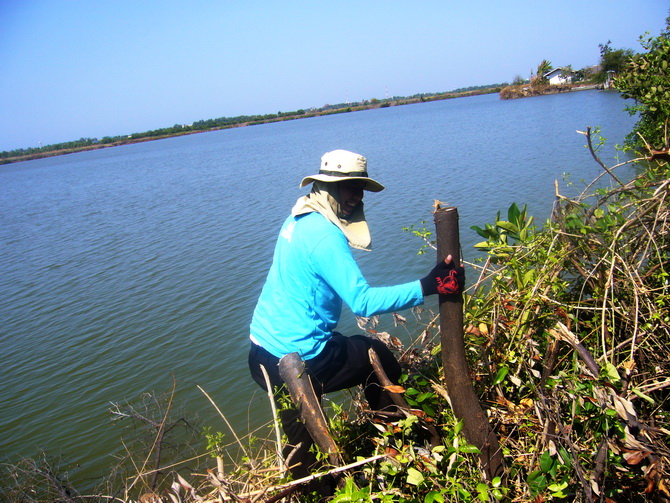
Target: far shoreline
[{"x": 313, "y": 113}]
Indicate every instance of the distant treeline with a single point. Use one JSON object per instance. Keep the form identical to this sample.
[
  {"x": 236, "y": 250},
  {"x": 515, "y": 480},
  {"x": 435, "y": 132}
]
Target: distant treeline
[{"x": 228, "y": 122}]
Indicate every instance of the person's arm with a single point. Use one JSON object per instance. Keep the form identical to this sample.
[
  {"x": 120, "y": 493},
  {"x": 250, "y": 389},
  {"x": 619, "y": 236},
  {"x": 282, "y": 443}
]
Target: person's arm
[
  {"x": 335, "y": 263},
  {"x": 337, "y": 266}
]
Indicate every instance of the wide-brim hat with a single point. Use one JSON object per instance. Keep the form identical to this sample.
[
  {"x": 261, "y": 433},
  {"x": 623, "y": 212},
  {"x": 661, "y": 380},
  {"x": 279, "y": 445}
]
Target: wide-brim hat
[{"x": 340, "y": 165}]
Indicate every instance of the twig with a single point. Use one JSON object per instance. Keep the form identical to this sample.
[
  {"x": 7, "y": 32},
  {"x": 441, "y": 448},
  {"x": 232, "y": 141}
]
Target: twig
[
  {"x": 226, "y": 421},
  {"x": 157, "y": 440},
  {"x": 385, "y": 382},
  {"x": 315, "y": 476},
  {"x": 599, "y": 469},
  {"x": 595, "y": 156},
  {"x": 654, "y": 386},
  {"x": 563, "y": 333},
  {"x": 579, "y": 470},
  {"x": 280, "y": 458},
  {"x": 481, "y": 279}
]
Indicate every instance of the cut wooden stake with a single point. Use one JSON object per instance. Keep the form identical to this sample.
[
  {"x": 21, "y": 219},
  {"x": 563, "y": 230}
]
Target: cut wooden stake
[
  {"x": 292, "y": 370},
  {"x": 464, "y": 400}
]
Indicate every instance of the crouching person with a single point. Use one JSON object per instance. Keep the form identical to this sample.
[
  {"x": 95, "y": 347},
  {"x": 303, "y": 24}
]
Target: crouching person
[{"x": 312, "y": 273}]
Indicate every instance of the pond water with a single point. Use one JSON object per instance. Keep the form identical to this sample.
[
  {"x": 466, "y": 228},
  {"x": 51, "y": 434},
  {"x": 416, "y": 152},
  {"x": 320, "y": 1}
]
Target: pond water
[{"x": 123, "y": 268}]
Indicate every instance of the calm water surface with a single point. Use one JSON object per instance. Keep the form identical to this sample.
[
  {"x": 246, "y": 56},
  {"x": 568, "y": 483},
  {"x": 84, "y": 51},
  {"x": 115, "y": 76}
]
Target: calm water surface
[{"x": 124, "y": 267}]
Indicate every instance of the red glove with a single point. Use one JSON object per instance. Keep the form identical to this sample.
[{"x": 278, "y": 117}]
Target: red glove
[{"x": 445, "y": 278}]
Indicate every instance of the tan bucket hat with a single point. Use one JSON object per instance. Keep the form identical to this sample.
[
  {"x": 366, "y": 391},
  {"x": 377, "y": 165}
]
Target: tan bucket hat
[{"x": 339, "y": 165}]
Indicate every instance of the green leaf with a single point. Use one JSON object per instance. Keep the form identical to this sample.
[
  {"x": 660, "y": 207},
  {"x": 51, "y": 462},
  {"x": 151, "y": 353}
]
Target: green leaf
[
  {"x": 500, "y": 376},
  {"x": 414, "y": 476},
  {"x": 529, "y": 277},
  {"x": 482, "y": 492},
  {"x": 565, "y": 455},
  {"x": 546, "y": 462},
  {"x": 612, "y": 373},
  {"x": 508, "y": 226},
  {"x": 424, "y": 396},
  {"x": 479, "y": 231},
  {"x": 537, "y": 482},
  {"x": 429, "y": 409},
  {"x": 643, "y": 396},
  {"x": 469, "y": 449},
  {"x": 434, "y": 497},
  {"x": 557, "y": 487},
  {"x": 513, "y": 213}
]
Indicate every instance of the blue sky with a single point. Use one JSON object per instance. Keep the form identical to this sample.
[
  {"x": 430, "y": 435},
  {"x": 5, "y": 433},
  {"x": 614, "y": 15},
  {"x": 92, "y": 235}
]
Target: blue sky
[{"x": 87, "y": 68}]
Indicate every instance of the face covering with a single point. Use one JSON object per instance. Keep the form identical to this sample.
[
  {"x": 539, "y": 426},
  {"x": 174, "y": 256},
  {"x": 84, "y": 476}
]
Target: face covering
[{"x": 325, "y": 199}]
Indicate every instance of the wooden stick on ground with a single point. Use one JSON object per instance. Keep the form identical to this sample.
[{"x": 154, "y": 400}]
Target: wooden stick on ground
[{"x": 397, "y": 398}]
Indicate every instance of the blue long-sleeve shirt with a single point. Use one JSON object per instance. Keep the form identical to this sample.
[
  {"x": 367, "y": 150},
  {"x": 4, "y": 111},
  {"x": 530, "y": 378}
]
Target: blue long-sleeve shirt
[{"x": 313, "y": 271}]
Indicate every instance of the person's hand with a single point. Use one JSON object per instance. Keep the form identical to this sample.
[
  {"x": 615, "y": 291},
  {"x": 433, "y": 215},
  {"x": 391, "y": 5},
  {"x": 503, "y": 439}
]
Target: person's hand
[{"x": 445, "y": 278}]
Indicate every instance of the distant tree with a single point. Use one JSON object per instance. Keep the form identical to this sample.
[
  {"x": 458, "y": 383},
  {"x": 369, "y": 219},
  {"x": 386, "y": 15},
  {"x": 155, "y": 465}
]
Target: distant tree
[
  {"x": 646, "y": 78},
  {"x": 612, "y": 61},
  {"x": 591, "y": 73},
  {"x": 518, "y": 80},
  {"x": 543, "y": 68}
]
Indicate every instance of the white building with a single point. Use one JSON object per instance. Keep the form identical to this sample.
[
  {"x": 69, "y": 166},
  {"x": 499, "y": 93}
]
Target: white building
[{"x": 558, "y": 76}]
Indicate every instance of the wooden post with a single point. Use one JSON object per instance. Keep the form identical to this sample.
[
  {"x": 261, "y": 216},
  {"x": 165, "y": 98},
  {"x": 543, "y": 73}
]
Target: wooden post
[
  {"x": 464, "y": 400},
  {"x": 292, "y": 370}
]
